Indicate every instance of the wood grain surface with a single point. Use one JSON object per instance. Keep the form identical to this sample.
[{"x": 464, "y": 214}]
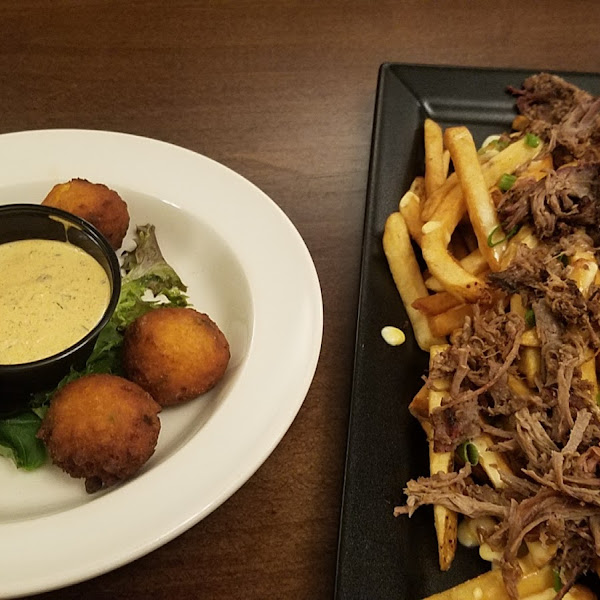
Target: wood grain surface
[{"x": 283, "y": 92}]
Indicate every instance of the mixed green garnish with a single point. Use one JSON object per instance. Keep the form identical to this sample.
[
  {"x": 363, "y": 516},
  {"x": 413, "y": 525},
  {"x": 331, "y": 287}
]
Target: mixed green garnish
[{"x": 148, "y": 282}]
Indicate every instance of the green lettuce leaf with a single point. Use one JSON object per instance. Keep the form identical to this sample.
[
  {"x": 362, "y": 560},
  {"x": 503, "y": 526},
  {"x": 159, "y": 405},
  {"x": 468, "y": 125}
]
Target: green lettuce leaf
[{"x": 18, "y": 440}]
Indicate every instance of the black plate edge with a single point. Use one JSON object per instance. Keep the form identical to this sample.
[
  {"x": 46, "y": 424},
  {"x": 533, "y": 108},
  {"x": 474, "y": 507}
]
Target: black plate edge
[
  {"x": 375, "y": 128},
  {"x": 374, "y": 159}
]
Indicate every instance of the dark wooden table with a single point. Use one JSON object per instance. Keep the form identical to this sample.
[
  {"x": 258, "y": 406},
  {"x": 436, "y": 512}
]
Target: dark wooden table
[{"x": 282, "y": 91}]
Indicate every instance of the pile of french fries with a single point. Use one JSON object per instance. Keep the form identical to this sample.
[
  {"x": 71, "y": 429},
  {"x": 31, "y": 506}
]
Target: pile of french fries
[{"x": 452, "y": 218}]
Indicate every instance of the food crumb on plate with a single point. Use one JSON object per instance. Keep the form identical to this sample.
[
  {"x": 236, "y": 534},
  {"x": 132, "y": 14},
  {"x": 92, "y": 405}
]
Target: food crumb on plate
[{"x": 393, "y": 336}]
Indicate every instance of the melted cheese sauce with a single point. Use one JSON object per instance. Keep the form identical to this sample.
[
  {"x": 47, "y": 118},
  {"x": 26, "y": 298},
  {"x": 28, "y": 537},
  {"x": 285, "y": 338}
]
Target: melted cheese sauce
[{"x": 51, "y": 294}]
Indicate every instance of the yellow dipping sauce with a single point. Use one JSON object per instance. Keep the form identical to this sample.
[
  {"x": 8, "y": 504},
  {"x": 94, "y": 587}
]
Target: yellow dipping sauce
[{"x": 51, "y": 295}]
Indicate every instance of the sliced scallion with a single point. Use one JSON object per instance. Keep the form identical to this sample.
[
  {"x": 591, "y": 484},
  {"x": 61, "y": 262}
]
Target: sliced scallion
[
  {"x": 529, "y": 318},
  {"x": 532, "y": 140},
  {"x": 556, "y": 580},
  {"x": 468, "y": 453},
  {"x": 490, "y": 240},
  {"x": 513, "y": 232},
  {"x": 506, "y": 182}
]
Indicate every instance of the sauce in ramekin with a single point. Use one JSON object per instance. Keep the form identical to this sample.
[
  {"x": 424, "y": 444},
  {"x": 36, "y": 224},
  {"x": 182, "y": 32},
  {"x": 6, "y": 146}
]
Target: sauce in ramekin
[{"x": 52, "y": 294}]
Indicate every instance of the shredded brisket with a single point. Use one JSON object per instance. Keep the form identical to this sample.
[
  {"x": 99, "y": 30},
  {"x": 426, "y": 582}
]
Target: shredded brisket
[
  {"x": 567, "y": 118},
  {"x": 548, "y": 98},
  {"x": 552, "y": 438},
  {"x": 541, "y": 274},
  {"x": 565, "y": 200},
  {"x": 547, "y": 431}
]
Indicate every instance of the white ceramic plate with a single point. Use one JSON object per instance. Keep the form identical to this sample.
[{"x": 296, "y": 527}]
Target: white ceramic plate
[{"x": 248, "y": 268}]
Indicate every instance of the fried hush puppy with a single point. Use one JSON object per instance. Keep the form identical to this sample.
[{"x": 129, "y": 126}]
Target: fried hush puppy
[
  {"x": 102, "y": 428},
  {"x": 175, "y": 354},
  {"x": 94, "y": 202}
]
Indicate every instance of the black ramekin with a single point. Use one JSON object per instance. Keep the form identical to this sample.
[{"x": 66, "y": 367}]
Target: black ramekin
[{"x": 33, "y": 221}]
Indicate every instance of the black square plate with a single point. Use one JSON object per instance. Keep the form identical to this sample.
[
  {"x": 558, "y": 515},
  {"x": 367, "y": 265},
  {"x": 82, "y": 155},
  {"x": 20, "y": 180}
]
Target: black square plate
[{"x": 381, "y": 557}]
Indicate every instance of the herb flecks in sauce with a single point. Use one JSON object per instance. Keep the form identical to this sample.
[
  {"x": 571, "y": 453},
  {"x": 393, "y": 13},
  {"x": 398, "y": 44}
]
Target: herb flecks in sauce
[{"x": 51, "y": 294}]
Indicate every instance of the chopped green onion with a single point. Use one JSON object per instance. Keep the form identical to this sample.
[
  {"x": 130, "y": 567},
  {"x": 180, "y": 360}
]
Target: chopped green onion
[
  {"x": 506, "y": 182},
  {"x": 468, "y": 453},
  {"x": 557, "y": 581},
  {"x": 513, "y": 232},
  {"x": 529, "y": 317},
  {"x": 564, "y": 259},
  {"x": 490, "y": 241},
  {"x": 532, "y": 140}
]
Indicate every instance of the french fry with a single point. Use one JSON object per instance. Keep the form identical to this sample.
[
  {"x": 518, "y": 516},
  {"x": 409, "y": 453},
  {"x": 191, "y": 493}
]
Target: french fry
[
  {"x": 446, "y": 520},
  {"x": 434, "y": 161},
  {"x": 482, "y": 211},
  {"x": 443, "y": 267},
  {"x": 436, "y": 304},
  {"x": 448, "y": 192},
  {"x": 417, "y": 187},
  {"x": 407, "y": 276},
  {"x": 493, "y": 463},
  {"x": 547, "y": 594},
  {"x": 540, "y": 554},
  {"x": 530, "y": 338},
  {"x": 525, "y": 236},
  {"x": 583, "y": 267},
  {"x": 473, "y": 263},
  {"x": 517, "y": 386},
  {"x": 530, "y": 364},
  {"x": 446, "y": 161},
  {"x": 410, "y": 210},
  {"x": 507, "y": 161},
  {"x": 445, "y": 323},
  {"x": 419, "y": 406},
  {"x": 431, "y": 283},
  {"x": 447, "y": 215},
  {"x": 577, "y": 592},
  {"x": 451, "y": 208},
  {"x": 516, "y": 305},
  {"x": 588, "y": 372},
  {"x": 490, "y": 586},
  {"x": 538, "y": 168}
]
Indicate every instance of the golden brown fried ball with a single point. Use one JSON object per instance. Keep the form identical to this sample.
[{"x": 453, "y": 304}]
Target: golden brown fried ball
[
  {"x": 175, "y": 354},
  {"x": 102, "y": 428},
  {"x": 94, "y": 202}
]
